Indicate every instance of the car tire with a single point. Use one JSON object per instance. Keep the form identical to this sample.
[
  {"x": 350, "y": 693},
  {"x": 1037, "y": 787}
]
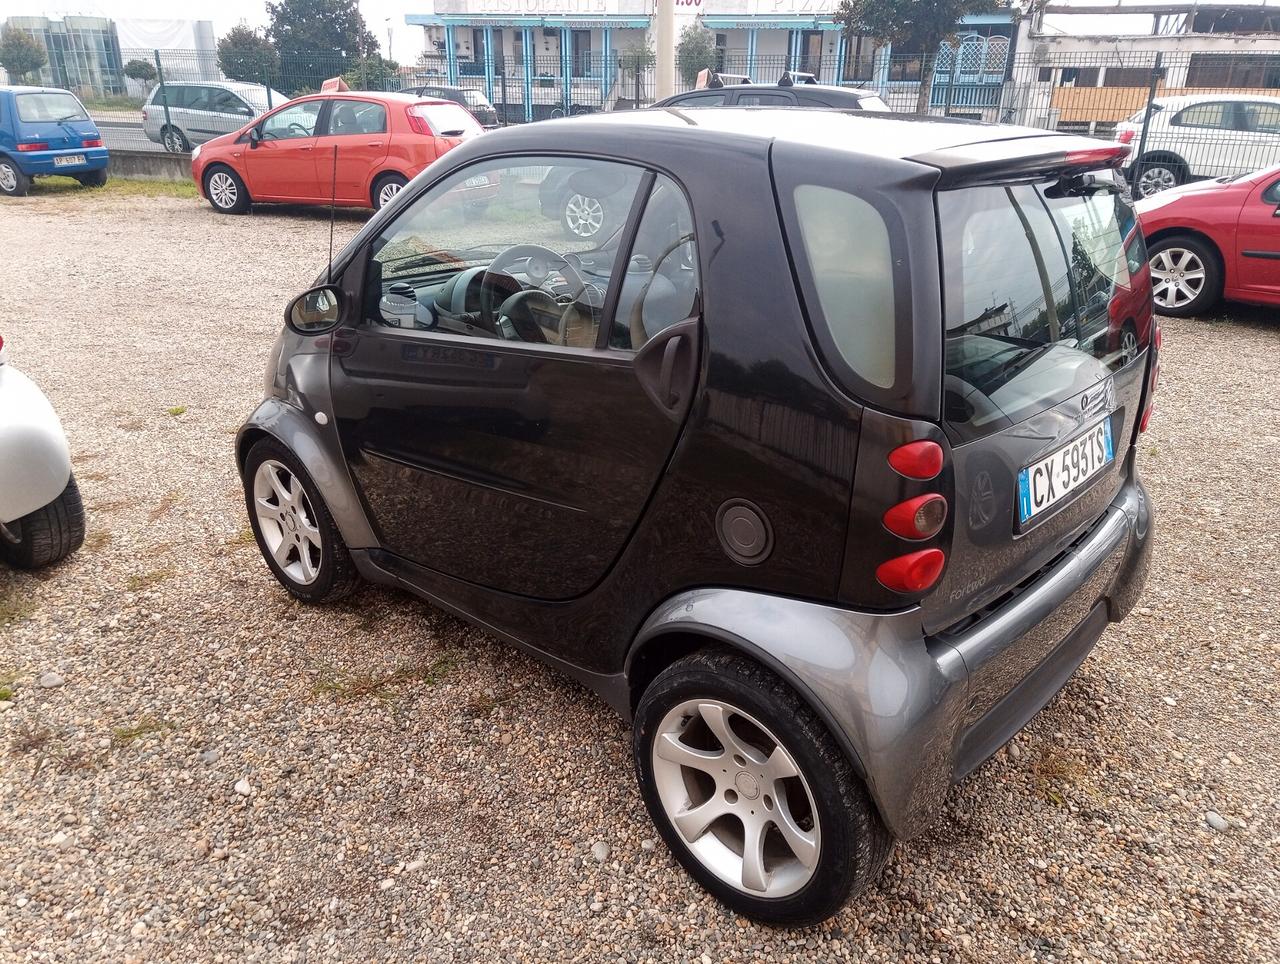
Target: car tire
[
  {"x": 1151, "y": 175},
  {"x": 583, "y": 217},
  {"x": 49, "y": 534},
  {"x": 1186, "y": 275},
  {"x": 385, "y": 189},
  {"x": 1129, "y": 348},
  {"x": 12, "y": 181},
  {"x": 768, "y": 730},
  {"x": 174, "y": 141},
  {"x": 93, "y": 178},
  {"x": 293, "y": 527},
  {"x": 226, "y": 191}
]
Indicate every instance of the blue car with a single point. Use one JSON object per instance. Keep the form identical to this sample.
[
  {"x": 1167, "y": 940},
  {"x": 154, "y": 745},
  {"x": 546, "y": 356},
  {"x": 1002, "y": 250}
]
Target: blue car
[{"x": 45, "y": 130}]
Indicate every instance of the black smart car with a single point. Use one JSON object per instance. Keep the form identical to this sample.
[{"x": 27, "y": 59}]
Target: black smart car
[
  {"x": 789, "y": 92},
  {"x": 805, "y": 467},
  {"x": 470, "y": 98}
]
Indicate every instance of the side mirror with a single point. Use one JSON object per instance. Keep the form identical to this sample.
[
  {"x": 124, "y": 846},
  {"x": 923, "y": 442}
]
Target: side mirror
[
  {"x": 255, "y": 136},
  {"x": 316, "y": 311}
]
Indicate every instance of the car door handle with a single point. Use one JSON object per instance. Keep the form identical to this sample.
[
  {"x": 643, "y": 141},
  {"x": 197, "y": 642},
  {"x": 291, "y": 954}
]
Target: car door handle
[
  {"x": 375, "y": 143},
  {"x": 305, "y": 147},
  {"x": 667, "y": 367},
  {"x": 669, "y": 352}
]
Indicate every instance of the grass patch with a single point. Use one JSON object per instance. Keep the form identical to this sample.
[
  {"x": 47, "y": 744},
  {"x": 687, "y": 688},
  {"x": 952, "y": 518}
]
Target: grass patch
[
  {"x": 13, "y": 607},
  {"x": 146, "y": 580},
  {"x": 1054, "y": 773},
  {"x": 385, "y": 686},
  {"x": 242, "y": 538},
  {"x": 176, "y": 410},
  {"x": 8, "y": 683},
  {"x": 118, "y": 102},
  {"x": 115, "y": 187},
  {"x": 147, "y": 726}
]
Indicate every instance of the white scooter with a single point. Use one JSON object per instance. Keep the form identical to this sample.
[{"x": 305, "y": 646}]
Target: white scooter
[{"x": 41, "y": 515}]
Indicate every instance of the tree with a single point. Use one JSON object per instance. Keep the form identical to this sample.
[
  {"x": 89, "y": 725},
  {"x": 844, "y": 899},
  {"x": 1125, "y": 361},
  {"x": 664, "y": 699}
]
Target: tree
[
  {"x": 373, "y": 73},
  {"x": 141, "y": 71},
  {"x": 695, "y": 51},
  {"x": 918, "y": 24},
  {"x": 320, "y": 26},
  {"x": 247, "y": 56},
  {"x": 21, "y": 53}
]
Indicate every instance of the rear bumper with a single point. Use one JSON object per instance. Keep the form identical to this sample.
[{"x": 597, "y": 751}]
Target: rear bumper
[
  {"x": 915, "y": 712},
  {"x": 40, "y": 163}
]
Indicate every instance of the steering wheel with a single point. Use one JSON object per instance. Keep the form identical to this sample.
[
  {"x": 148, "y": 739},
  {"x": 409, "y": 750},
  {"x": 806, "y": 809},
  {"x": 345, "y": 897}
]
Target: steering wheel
[
  {"x": 553, "y": 262},
  {"x": 302, "y": 130}
]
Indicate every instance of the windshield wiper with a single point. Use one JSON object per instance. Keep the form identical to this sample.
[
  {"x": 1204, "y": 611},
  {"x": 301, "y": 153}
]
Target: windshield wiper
[{"x": 76, "y": 116}]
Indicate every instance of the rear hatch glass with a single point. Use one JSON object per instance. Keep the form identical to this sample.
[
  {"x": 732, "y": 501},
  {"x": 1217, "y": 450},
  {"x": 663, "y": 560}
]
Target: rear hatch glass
[
  {"x": 1047, "y": 310},
  {"x": 55, "y": 117}
]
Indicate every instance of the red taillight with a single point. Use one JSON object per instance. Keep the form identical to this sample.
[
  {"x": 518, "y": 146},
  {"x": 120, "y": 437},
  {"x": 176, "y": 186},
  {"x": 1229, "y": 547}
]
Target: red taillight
[
  {"x": 418, "y": 122},
  {"x": 1157, "y": 339},
  {"x": 912, "y": 573},
  {"x": 93, "y": 142},
  {"x": 921, "y": 459},
  {"x": 918, "y": 518},
  {"x": 36, "y": 146},
  {"x": 1124, "y": 136},
  {"x": 1097, "y": 156}
]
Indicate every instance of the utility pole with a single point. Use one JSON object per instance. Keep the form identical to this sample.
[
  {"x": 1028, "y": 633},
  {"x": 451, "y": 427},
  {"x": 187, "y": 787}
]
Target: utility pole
[{"x": 665, "y": 15}]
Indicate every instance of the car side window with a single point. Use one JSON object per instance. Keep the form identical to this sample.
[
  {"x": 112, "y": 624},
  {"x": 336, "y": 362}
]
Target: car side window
[
  {"x": 485, "y": 254},
  {"x": 702, "y": 100},
  {"x": 199, "y": 98},
  {"x": 225, "y": 102},
  {"x": 357, "y": 117},
  {"x": 1260, "y": 118},
  {"x": 297, "y": 120},
  {"x": 1272, "y": 194},
  {"x": 1216, "y": 115},
  {"x": 660, "y": 285},
  {"x": 764, "y": 100}
]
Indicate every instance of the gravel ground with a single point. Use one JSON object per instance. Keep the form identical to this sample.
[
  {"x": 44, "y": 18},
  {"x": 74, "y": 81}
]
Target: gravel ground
[{"x": 194, "y": 766}]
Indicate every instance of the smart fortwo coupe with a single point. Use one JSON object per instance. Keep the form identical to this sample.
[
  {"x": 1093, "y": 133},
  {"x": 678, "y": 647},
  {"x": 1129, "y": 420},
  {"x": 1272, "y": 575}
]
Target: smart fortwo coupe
[{"x": 820, "y": 466}]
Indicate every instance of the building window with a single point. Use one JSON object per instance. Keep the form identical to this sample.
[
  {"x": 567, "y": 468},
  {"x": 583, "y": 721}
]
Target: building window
[
  {"x": 859, "y": 59},
  {"x": 905, "y": 64},
  {"x": 1127, "y": 77},
  {"x": 1231, "y": 70},
  {"x": 1078, "y": 77},
  {"x": 582, "y": 53}
]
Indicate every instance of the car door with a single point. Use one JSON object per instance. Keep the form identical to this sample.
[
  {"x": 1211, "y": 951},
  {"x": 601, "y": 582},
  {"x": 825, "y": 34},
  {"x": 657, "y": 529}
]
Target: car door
[
  {"x": 1258, "y": 243},
  {"x": 355, "y": 136},
  {"x": 504, "y": 423},
  {"x": 1204, "y": 135},
  {"x": 281, "y": 164},
  {"x": 227, "y": 112},
  {"x": 1259, "y": 124}
]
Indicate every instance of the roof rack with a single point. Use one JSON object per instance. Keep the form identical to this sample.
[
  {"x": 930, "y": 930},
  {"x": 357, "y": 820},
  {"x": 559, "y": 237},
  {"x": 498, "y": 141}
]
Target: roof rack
[
  {"x": 790, "y": 78},
  {"x": 711, "y": 79}
]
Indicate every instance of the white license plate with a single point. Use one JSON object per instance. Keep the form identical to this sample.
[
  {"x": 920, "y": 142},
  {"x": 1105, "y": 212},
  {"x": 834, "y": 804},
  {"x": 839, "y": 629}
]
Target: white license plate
[
  {"x": 480, "y": 180},
  {"x": 1047, "y": 482},
  {"x": 68, "y": 160}
]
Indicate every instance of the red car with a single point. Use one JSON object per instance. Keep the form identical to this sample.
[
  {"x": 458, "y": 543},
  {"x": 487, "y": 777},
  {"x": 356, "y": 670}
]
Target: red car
[
  {"x": 382, "y": 141},
  {"x": 1214, "y": 239}
]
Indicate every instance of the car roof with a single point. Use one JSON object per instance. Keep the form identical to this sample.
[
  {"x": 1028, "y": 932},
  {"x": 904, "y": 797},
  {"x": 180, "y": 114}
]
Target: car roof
[
  {"x": 25, "y": 89},
  {"x": 1186, "y": 100},
  {"x": 385, "y": 96},
  {"x": 854, "y": 92}
]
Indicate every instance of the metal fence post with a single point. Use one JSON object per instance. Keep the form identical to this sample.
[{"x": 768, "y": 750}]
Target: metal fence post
[
  {"x": 1157, "y": 71},
  {"x": 164, "y": 91}
]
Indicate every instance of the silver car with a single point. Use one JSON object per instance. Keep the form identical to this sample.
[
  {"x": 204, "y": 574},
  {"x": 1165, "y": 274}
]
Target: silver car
[{"x": 199, "y": 112}]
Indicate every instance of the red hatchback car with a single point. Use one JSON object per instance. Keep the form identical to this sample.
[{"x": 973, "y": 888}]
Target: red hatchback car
[
  {"x": 1214, "y": 239},
  {"x": 381, "y": 141}
]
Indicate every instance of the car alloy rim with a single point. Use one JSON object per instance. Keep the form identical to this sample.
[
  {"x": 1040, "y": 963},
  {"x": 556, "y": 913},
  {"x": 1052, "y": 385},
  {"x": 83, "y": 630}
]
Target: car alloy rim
[
  {"x": 8, "y": 179},
  {"x": 583, "y": 215},
  {"x": 1177, "y": 277},
  {"x": 387, "y": 193},
  {"x": 222, "y": 189},
  {"x": 287, "y": 522},
  {"x": 173, "y": 141},
  {"x": 1128, "y": 346},
  {"x": 736, "y": 797},
  {"x": 1156, "y": 179}
]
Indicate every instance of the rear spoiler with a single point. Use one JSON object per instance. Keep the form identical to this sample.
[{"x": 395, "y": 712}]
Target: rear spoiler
[{"x": 1035, "y": 155}]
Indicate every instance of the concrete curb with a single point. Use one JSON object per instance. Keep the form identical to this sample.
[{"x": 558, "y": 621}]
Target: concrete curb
[{"x": 150, "y": 165}]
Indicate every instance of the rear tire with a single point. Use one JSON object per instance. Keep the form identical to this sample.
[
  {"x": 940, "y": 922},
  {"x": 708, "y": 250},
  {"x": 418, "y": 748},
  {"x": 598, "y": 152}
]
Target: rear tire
[
  {"x": 48, "y": 534},
  {"x": 1186, "y": 276},
  {"x": 174, "y": 141},
  {"x": 12, "y": 181},
  {"x": 1152, "y": 175},
  {"x": 93, "y": 178},
  {"x": 385, "y": 189},
  {"x": 836, "y": 845},
  {"x": 225, "y": 190}
]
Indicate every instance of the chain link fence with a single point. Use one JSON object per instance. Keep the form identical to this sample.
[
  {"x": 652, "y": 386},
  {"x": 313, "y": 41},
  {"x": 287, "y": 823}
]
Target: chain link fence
[{"x": 1185, "y": 114}]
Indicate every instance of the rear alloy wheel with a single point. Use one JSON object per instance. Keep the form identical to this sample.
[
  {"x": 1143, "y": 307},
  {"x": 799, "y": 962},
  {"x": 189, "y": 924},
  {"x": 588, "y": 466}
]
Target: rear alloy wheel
[
  {"x": 384, "y": 192},
  {"x": 225, "y": 191},
  {"x": 1185, "y": 277},
  {"x": 175, "y": 142},
  {"x": 583, "y": 216},
  {"x": 293, "y": 528},
  {"x": 1157, "y": 176},
  {"x": 12, "y": 181},
  {"x": 1128, "y": 343},
  {"x": 751, "y": 793}
]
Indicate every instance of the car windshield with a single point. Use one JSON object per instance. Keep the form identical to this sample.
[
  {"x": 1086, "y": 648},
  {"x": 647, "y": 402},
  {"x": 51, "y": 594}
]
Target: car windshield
[
  {"x": 55, "y": 106},
  {"x": 1041, "y": 300}
]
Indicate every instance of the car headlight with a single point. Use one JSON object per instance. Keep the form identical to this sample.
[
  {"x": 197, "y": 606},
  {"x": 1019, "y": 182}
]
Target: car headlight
[{"x": 195, "y": 152}]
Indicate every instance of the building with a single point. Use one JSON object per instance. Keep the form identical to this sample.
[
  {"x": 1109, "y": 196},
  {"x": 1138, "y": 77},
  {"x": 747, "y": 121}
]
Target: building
[
  {"x": 532, "y": 57},
  {"x": 1090, "y": 81},
  {"x": 83, "y": 52}
]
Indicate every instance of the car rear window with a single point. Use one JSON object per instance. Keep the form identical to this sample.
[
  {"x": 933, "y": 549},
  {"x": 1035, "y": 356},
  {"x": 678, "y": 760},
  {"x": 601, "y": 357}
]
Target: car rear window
[
  {"x": 47, "y": 106},
  {"x": 475, "y": 99},
  {"x": 1040, "y": 292},
  {"x": 447, "y": 118},
  {"x": 872, "y": 103}
]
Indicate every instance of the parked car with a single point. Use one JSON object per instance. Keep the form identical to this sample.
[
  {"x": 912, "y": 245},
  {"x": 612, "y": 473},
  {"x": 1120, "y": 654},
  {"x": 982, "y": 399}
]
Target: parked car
[
  {"x": 381, "y": 141},
  {"x": 1214, "y": 239},
  {"x": 470, "y": 98},
  {"x": 1201, "y": 136},
  {"x": 785, "y": 94},
  {"x": 43, "y": 131},
  {"x": 807, "y": 467},
  {"x": 41, "y": 515},
  {"x": 197, "y": 113}
]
